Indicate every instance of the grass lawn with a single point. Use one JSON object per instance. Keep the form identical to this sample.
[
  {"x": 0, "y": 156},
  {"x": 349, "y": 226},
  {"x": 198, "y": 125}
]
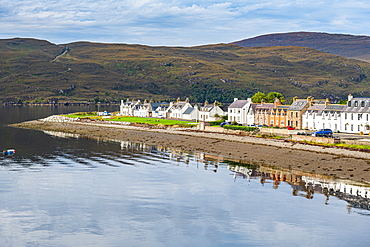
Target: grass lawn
[{"x": 130, "y": 119}]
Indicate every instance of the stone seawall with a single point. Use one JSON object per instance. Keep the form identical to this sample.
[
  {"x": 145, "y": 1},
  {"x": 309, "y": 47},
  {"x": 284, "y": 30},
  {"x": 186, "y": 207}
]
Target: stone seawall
[{"x": 325, "y": 140}]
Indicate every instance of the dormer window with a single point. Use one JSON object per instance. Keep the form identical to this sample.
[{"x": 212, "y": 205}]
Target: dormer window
[
  {"x": 362, "y": 103},
  {"x": 349, "y": 103},
  {"x": 356, "y": 103}
]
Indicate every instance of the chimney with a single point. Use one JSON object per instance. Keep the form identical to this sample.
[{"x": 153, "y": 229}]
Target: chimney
[
  {"x": 350, "y": 97},
  {"x": 310, "y": 101},
  {"x": 276, "y": 102},
  {"x": 235, "y": 99},
  {"x": 327, "y": 102},
  {"x": 295, "y": 98}
]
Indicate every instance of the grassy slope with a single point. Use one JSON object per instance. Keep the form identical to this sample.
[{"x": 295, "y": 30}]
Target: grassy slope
[
  {"x": 214, "y": 72},
  {"x": 348, "y": 46}
]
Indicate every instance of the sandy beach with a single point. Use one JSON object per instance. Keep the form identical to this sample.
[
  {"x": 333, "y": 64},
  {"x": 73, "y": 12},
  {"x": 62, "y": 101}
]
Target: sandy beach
[{"x": 342, "y": 163}]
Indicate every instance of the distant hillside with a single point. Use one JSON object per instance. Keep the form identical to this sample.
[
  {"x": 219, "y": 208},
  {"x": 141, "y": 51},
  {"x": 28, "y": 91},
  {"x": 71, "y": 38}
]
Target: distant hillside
[
  {"x": 348, "y": 46},
  {"x": 35, "y": 70}
]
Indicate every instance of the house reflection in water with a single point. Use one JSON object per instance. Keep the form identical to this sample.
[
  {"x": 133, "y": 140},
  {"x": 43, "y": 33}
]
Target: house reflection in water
[{"x": 356, "y": 194}]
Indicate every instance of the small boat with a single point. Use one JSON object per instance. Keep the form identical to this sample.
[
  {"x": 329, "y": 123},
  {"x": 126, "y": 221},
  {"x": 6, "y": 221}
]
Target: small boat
[{"x": 8, "y": 151}]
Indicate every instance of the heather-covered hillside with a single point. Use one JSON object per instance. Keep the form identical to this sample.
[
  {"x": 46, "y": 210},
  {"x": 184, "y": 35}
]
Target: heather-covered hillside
[
  {"x": 348, "y": 46},
  {"x": 38, "y": 70}
]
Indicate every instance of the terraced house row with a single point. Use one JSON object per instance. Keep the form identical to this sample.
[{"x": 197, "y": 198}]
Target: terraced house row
[{"x": 309, "y": 113}]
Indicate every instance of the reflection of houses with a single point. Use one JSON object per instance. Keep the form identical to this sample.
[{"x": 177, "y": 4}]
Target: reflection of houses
[{"x": 356, "y": 194}]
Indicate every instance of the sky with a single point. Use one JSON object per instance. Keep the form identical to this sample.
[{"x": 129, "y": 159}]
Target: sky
[{"x": 177, "y": 22}]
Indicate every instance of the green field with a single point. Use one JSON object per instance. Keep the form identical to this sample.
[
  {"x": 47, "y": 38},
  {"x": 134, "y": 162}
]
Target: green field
[{"x": 92, "y": 115}]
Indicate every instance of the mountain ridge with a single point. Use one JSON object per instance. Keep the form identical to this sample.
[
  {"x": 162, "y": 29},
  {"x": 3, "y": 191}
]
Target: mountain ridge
[
  {"x": 37, "y": 70},
  {"x": 345, "y": 45}
]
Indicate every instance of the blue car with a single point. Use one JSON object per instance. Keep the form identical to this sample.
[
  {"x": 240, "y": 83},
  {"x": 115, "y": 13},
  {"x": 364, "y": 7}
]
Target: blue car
[
  {"x": 224, "y": 123},
  {"x": 323, "y": 132}
]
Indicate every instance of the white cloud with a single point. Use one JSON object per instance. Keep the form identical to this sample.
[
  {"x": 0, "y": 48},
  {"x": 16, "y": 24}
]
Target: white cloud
[{"x": 163, "y": 22}]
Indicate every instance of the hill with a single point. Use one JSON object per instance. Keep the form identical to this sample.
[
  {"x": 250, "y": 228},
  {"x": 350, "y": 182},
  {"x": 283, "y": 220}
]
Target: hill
[
  {"x": 348, "y": 46},
  {"x": 36, "y": 70}
]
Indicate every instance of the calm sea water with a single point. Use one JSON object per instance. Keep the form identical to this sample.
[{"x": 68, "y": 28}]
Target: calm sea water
[{"x": 67, "y": 190}]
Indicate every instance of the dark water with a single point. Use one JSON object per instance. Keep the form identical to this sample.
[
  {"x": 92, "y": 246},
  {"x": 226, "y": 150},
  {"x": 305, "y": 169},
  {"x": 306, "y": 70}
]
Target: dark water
[{"x": 66, "y": 190}]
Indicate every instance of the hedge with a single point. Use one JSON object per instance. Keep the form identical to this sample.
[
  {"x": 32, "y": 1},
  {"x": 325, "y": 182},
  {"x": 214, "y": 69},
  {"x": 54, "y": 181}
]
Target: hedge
[
  {"x": 236, "y": 127},
  {"x": 214, "y": 123}
]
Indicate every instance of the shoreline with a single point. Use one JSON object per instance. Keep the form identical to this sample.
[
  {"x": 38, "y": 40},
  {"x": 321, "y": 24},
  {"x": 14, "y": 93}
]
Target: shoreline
[{"x": 330, "y": 161}]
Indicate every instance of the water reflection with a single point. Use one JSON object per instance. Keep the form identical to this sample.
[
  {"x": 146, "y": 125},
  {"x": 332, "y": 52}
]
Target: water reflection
[{"x": 303, "y": 184}]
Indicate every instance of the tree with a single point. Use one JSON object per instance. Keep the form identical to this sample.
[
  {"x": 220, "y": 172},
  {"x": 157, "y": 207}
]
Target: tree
[
  {"x": 271, "y": 96},
  {"x": 257, "y": 97}
]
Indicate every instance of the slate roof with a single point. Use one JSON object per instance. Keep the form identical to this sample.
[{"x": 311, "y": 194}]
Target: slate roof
[
  {"x": 239, "y": 103},
  {"x": 357, "y": 106},
  {"x": 266, "y": 106},
  {"x": 281, "y": 108},
  {"x": 188, "y": 110},
  {"x": 298, "y": 105},
  {"x": 335, "y": 107},
  {"x": 317, "y": 108}
]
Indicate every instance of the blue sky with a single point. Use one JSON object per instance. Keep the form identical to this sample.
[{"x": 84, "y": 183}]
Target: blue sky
[{"x": 177, "y": 22}]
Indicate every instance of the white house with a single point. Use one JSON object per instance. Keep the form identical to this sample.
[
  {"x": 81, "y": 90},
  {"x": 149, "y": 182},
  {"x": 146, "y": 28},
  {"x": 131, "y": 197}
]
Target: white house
[
  {"x": 355, "y": 115},
  {"x": 207, "y": 112},
  {"x": 191, "y": 113},
  {"x": 331, "y": 117},
  {"x": 177, "y": 108},
  {"x": 238, "y": 111},
  {"x": 161, "y": 110},
  {"x": 311, "y": 119},
  {"x": 126, "y": 107}
]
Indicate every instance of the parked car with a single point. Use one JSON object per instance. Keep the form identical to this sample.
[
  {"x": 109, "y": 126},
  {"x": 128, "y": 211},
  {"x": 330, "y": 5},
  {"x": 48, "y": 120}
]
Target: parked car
[
  {"x": 323, "y": 132},
  {"x": 290, "y": 128},
  {"x": 224, "y": 123}
]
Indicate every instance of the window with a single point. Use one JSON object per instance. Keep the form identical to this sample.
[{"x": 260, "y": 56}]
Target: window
[
  {"x": 345, "y": 115},
  {"x": 358, "y": 127},
  {"x": 367, "y": 117},
  {"x": 349, "y": 104},
  {"x": 296, "y": 114},
  {"x": 362, "y": 103},
  {"x": 351, "y": 127},
  {"x": 359, "y": 116},
  {"x": 351, "y": 116},
  {"x": 356, "y": 103}
]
